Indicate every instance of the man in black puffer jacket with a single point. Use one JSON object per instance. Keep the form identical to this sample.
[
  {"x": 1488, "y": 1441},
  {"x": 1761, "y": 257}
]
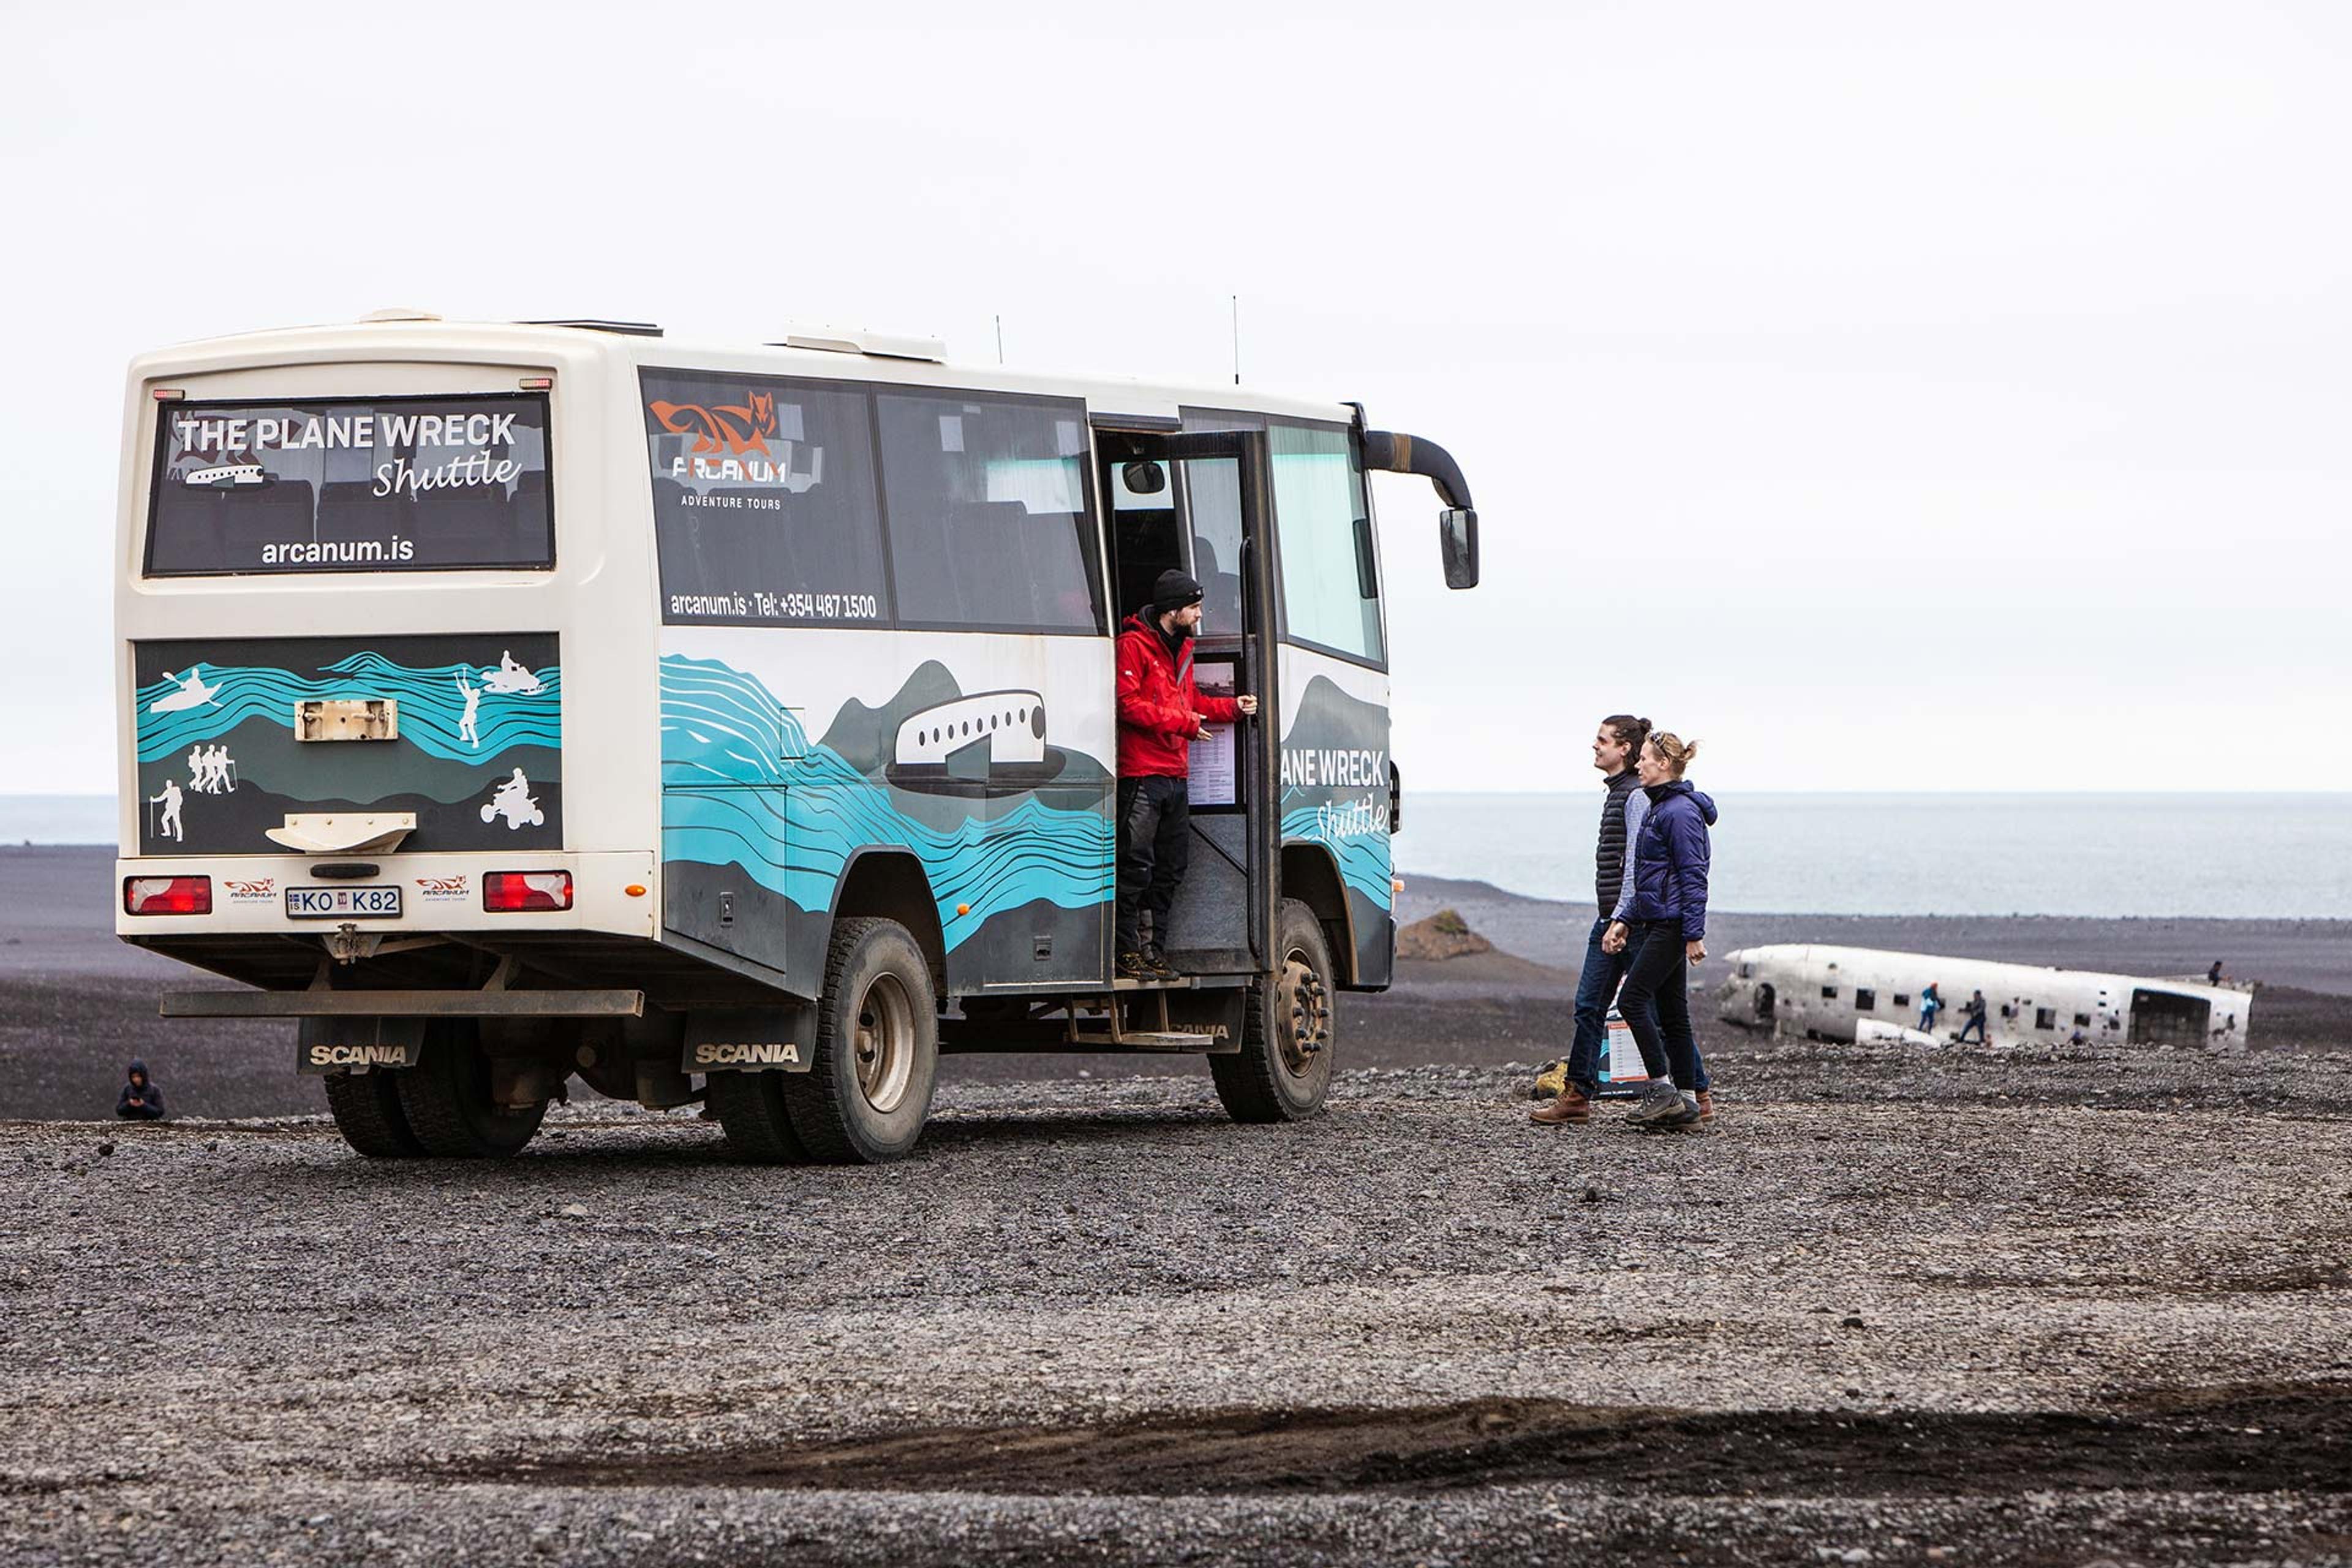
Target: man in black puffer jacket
[{"x": 1614, "y": 746}]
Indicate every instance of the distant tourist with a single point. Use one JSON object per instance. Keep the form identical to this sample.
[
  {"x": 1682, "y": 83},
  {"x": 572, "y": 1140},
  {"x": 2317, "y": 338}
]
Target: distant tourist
[
  {"x": 140, "y": 1100},
  {"x": 1664, "y": 932},
  {"x": 1931, "y": 1001},
  {"x": 1616, "y": 745},
  {"x": 2213, "y": 975},
  {"x": 1974, "y": 1015}
]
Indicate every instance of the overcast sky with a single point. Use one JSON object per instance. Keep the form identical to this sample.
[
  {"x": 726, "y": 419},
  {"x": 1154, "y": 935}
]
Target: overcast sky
[{"x": 1894, "y": 396}]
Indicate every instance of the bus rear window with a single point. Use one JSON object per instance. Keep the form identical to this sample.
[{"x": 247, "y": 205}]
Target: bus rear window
[{"x": 387, "y": 484}]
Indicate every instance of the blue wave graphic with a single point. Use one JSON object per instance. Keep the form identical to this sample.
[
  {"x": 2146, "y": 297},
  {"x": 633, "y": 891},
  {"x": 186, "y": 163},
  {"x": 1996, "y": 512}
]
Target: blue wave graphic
[
  {"x": 742, "y": 784},
  {"x": 432, "y": 708},
  {"x": 1365, "y": 862}
]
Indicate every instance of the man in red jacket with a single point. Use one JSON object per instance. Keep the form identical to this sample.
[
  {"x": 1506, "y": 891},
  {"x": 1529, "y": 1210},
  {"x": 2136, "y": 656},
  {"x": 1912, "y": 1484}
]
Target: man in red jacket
[{"x": 1160, "y": 713}]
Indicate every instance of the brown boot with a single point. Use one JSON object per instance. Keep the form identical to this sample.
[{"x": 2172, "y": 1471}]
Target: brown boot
[
  {"x": 1705, "y": 1106},
  {"x": 1572, "y": 1109}
]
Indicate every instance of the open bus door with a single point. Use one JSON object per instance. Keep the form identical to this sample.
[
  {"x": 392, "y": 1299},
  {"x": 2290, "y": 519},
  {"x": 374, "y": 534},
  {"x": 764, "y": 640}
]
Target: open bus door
[{"x": 1223, "y": 923}]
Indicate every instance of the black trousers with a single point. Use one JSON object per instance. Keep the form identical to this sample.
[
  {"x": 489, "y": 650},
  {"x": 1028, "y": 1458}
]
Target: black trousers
[
  {"x": 1155, "y": 844},
  {"x": 1655, "y": 1001}
]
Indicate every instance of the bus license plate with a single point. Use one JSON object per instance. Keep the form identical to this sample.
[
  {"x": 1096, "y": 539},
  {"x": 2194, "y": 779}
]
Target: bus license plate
[{"x": 342, "y": 903}]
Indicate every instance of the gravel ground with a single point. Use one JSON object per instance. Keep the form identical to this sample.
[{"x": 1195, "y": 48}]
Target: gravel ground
[{"x": 1981, "y": 1307}]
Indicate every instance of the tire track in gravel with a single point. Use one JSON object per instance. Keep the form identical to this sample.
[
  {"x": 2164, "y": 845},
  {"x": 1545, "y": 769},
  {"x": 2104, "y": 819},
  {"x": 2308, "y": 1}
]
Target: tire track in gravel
[{"x": 2241, "y": 1438}]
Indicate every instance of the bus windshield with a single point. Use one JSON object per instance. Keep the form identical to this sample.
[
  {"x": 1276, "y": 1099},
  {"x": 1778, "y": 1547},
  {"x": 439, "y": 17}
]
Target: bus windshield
[{"x": 390, "y": 484}]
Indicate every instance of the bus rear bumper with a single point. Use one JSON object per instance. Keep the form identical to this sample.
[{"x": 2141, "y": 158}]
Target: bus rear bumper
[{"x": 614, "y": 892}]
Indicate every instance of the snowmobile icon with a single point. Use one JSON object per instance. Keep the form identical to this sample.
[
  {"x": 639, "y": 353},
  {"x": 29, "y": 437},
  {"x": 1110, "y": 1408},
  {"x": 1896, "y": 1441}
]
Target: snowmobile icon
[{"x": 515, "y": 802}]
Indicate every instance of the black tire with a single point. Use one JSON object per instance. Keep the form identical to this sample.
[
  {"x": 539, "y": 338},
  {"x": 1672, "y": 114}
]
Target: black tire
[
  {"x": 750, "y": 1107},
  {"x": 852, "y": 1106},
  {"x": 446, "y": 1099},
  {"x": 366, "y": 1106},
  {"x": 1289, "y": 1031}
]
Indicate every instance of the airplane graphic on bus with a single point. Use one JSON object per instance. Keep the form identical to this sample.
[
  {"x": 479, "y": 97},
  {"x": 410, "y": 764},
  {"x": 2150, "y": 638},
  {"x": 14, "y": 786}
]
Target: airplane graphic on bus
[
  {"x": 226, "y": 474},
  {"x": 994, "y": 739}
]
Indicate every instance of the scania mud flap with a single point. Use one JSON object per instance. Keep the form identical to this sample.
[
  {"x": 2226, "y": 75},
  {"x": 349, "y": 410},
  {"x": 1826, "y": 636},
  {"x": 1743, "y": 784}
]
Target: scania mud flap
[
  {"x": 751, "y": 1039},
  {"x": 358, "y": 1044},
  {"x": 1213, "y": 1012}
]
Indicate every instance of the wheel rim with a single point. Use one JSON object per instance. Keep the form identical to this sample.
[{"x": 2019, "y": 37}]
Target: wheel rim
[
  {"x": 1306, "y": 1022},
  {"x": 884, "y": 1047}
]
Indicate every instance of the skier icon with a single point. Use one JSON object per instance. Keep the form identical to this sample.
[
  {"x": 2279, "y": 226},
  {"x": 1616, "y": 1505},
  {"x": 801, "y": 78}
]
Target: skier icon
[
  {"x": 193, "y": 693},
  {"x": 509, "y": 679},
  {"x": 515, "y": 802},
  {"x": 467, "y": 731},
  {"x": 170, "y": 800}
]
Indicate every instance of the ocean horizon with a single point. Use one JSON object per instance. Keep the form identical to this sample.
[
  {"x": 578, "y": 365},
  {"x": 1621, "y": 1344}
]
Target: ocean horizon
[{"x": 2100, "y": 856}]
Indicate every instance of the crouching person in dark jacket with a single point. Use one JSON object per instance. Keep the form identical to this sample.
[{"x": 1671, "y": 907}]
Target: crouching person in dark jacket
[
  {"x": 140, "y": 1100},
  {"x": 1664, "y": 932}
]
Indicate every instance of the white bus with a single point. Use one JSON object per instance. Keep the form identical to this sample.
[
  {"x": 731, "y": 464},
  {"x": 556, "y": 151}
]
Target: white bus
[{"x": 508, "y": 702}]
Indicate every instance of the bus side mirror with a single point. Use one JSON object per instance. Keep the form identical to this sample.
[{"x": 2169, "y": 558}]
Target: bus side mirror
[{"x": 1457, "y": 540}]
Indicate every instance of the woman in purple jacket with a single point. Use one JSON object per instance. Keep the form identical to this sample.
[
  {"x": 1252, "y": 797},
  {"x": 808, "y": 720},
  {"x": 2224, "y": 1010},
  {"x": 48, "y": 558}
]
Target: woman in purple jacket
[{"x": 1663, "y": 928}]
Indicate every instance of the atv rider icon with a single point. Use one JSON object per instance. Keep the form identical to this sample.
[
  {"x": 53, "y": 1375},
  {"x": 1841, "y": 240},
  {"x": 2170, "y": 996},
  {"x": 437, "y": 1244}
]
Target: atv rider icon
[{"x": 515, "y": 802}]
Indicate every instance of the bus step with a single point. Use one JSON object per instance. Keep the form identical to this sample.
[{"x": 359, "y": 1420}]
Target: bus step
[
  {"x": 1144, "y": 1040},
  {"x": 1181, "y": 982}
]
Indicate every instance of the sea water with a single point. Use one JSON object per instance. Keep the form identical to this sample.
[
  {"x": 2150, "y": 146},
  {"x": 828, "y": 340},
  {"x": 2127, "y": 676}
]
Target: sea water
[{"x": 2109, "y": 856}]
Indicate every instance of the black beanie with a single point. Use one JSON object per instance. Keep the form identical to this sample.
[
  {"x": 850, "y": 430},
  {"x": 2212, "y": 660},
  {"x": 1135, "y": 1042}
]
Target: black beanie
[{"x": 1173, "y": 592}]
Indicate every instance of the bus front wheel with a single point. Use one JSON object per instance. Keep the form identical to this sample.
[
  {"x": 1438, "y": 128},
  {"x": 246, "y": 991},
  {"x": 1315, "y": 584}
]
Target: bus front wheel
[
  {"x": 446, "y": 1098},
  {"x": 868, "y": 1087},
  {"x": 1284, "y": 1067}
]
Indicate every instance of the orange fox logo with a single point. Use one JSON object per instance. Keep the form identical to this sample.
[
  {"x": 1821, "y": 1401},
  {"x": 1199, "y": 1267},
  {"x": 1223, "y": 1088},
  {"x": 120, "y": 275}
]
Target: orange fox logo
[{"x": 735, "y": 429}]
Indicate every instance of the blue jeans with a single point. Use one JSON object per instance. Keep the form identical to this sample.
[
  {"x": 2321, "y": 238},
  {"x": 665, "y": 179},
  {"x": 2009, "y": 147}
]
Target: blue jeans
[{"x": 1596, "y": 988}]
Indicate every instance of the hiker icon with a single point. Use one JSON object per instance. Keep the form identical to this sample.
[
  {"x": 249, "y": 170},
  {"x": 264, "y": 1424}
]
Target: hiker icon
[
  {"x": 170, "y": 800},
  {"x": 515, "y": 802},
  {"x": 211, "y": 770}
]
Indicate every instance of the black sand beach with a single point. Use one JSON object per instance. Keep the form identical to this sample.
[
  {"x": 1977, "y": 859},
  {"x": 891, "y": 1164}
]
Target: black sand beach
[
  {"x": 76, "y": 1004},
  {"x": 2000, "y": 1307}
]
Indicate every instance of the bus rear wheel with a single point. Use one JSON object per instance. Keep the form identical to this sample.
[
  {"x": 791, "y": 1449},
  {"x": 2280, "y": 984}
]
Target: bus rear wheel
[
  {"x": 750, "y": 1107},
  {"x": 868, "y": 1090},
  {"x": 446, "y": 1098},
  {"x": 1284, "y": 1068},
  {"x": 366, "y": 1107}
]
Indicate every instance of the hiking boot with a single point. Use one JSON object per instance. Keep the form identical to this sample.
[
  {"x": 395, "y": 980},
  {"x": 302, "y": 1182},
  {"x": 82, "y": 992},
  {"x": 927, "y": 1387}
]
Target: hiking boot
[
  {"x": 1662, "y": 1110},
  {"x": 1134, "y": 966},
  {"x": 1707, "y": 1105},
  {"x": 1571, "y": 1107},
  {"x": 1157, "y": 962}
]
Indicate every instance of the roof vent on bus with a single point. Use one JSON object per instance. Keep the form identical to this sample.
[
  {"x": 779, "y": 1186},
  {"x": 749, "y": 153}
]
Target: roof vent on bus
[
  {"x": 880, "y": 345},
  {"x": 400, "y": 313},
  {"x": 627, "y": 328}
]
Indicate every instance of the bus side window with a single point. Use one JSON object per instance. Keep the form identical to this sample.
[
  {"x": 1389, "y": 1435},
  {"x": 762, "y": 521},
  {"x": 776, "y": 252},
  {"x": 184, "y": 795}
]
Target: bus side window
[
  {"x": 1214, "y": 489},
  {"x": 985, "y": 501},
  {"x": 1329, "y": 598},
  {"x": 1144, "y": 541}
]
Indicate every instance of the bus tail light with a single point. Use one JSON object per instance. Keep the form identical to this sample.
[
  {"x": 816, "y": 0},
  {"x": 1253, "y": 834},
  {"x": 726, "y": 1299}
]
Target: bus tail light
[
  {"x": 167, "y": 895},
  {"x": 514, "y": 893}
]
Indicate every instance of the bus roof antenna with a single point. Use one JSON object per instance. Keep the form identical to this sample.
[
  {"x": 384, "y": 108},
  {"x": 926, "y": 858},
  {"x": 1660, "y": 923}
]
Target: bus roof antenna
[
  {"x": 1237, "y": 339},
  {"x": 1000, "y": 340}
]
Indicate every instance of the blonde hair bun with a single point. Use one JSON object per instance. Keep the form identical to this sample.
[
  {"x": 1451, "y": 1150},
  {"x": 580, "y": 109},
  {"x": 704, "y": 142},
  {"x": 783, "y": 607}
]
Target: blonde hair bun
[{"x": 1677, "y": 752}]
